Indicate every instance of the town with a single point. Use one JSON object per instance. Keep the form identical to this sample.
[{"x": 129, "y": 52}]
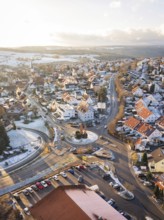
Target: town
[{"x": 78, "y": 132}]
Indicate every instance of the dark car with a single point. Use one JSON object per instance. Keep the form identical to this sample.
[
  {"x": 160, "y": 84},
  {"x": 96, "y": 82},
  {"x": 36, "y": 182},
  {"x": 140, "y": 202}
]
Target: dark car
[
  {"x": 34, "y": 187},
  {"x": 106, "y": 176},
  {"x": 80, "y": 179},
  {"x": 71, "y": 171}
]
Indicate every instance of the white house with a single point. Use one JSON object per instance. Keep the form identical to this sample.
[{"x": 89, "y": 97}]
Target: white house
[
  {"x": 65, "y": 111},
  {"x": 85, "y": 111},
  {"x": 150, "y": 100},
  {"x": 156, "y": 162},
  {"x": 137, "y": 91}
]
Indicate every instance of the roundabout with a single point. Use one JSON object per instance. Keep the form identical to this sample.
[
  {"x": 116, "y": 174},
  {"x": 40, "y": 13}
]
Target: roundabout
[{"x": 91, "y": 137}]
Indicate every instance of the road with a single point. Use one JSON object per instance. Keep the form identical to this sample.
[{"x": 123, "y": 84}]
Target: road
[{"x": 141, "y": 206}]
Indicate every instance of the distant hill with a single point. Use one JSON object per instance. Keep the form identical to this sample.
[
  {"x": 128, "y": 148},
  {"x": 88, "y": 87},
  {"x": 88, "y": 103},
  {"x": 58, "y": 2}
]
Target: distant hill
[{"x": 113, "y": 52}]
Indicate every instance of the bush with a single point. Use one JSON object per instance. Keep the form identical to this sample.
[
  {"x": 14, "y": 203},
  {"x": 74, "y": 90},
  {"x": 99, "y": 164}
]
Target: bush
[
  {"x": 78, "y": 135},
  {"x": 85, "y": 135}
]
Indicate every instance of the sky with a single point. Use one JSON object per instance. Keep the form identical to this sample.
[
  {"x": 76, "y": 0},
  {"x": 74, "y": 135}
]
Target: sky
[{"x": 81, "y": 22}]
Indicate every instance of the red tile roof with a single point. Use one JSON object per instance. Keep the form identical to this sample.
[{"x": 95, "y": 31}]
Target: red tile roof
[
  {"x": 144, "y": 113},
  {"x": 131, "y": 122},
  {"x": 145, "y": 129}
]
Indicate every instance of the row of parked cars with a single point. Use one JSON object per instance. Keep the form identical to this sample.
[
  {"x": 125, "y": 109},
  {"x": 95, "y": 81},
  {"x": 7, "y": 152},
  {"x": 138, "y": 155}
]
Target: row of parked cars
[
  {"x": 40, "y": 185},
  {"x": 112, "y": 203}
]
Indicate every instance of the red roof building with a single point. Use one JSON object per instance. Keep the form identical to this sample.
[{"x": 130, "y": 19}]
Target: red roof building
[{"x": 74, "y": 202}]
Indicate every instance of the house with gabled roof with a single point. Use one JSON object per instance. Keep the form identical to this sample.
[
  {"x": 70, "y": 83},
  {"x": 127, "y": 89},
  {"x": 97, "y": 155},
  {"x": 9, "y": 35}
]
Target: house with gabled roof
[
  {"x": 160, "y": 122},
  {"x": 140, "y": 144},
  {"x": 85, "y": 111},
  {"x": 150, "y": 100},
  {"x": 147, "y": 130},
  {"x": 156, "y": 162},
  {"x": 146, "y": 115},
  {"x": 131, "y": 122},
  {"x": 137, "y": 91}
]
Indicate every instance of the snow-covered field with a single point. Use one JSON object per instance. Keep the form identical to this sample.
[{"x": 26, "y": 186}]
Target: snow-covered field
[
  {"x": 18, "y": 59},
  {"x": 26, "y": 139},
  {"x": 38, "y": 124},
  {"x": 21, "y": 139}
]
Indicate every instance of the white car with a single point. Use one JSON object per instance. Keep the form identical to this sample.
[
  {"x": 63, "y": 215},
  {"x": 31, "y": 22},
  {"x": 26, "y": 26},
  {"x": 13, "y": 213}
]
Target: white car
[
  {"x": 56, "y": 177},
  {"x": 44, "y": 184},
  {"x": 63, "y": 174},
  {"x": 30, "y": 189},
  {"x": 26, "y": 211}
]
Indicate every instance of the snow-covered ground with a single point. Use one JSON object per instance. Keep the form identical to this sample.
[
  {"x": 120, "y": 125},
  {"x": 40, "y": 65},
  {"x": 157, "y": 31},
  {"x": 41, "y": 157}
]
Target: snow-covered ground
[
  {"x": 19, "y": 59},
  {"x": 21, "y": 139},
  {"x": 38, "y": 124}
]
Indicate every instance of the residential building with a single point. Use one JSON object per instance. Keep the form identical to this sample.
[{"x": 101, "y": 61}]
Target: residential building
[
  {"x": 65, "y": 111},
  {"x": 137, "y": 91},
  {"x": 85, "y": 111},
  {"x": 156, "y": 162}
]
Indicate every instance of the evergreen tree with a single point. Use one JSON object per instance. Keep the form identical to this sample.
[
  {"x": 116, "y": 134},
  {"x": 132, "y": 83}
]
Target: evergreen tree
[
  {"x": 156, "y": 191},
  {"x": 144, "y": 159},
  {"x": 4, "y": 139},
  {"x": 149, "y": 175}
]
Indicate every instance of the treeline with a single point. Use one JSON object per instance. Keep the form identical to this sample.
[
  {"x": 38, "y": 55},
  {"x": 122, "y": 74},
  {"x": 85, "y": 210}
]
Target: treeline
[
  {"x": 4, "y": 139},
  {"x": 7, "y": 212},
  {"x": 121, "y": 78}
]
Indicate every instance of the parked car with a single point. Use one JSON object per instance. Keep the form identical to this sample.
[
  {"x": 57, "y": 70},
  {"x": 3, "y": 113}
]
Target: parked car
[
  {"x": 44, "y": 183},
  {"x": 56, "y": 177},
  {"x": 80, "y": 179},
  {"x": 111, "y": 184},
  {"x": 34, "y": 187},
  {"x": 30, "y": 190},
  {"x": 25, "y": 192},
  {"x": 106, "y": 176},
  {"x": 39, "y": 185},
  {"x": 63, "y": 174},
  {"x": 111, "y": 201},
  {"x": 147, "y": 183},
  {"x": 116, "y": 186},
  {"x": 26, "y": 211},
  {"x": 71, "y": 171},
  {"x": 16, "y": 196},
  {"x": 48, "y": 182}
]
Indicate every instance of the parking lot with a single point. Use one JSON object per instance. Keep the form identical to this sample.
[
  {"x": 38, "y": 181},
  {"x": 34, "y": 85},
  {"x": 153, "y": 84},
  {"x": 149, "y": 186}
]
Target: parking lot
[{"x": 84, "y": 175}]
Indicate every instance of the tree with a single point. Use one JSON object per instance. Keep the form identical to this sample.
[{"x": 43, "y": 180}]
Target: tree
[
  {"x": 7, "y": 212},
  {"x": 149, "y": 175},
  {"x": 102, "y": 93},
  {"x": 4, "y": 139},
  {"x": 144, "y": 159},
  {"x": 156, "y": 191}
]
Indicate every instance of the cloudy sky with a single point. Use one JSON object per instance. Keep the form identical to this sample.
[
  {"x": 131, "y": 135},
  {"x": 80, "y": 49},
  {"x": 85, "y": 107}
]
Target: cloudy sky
[{"x": 81, "y": 22}]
